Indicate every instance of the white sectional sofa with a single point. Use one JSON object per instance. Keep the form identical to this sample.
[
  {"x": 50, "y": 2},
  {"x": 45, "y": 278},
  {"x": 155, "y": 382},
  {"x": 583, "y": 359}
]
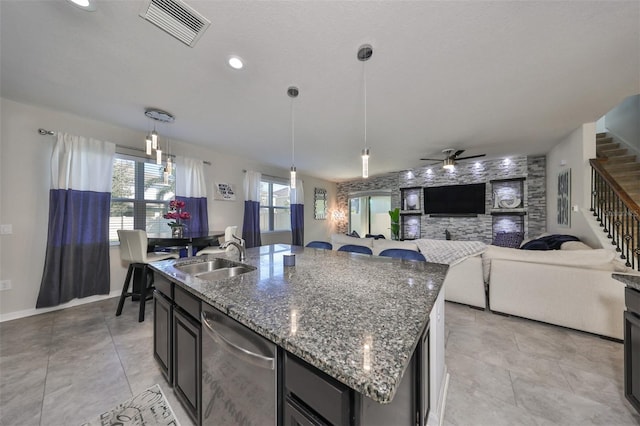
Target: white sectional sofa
[{"x": 570, "y": 288}]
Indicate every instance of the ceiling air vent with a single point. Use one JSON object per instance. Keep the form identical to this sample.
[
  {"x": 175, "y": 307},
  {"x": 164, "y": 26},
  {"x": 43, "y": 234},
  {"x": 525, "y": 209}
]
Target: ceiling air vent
[{"x": 176, "y": 18}]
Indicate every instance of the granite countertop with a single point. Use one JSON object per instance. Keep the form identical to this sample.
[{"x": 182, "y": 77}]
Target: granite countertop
[
  {"x": 632, "y": 281},
  {"x": 357, "y": 318}
]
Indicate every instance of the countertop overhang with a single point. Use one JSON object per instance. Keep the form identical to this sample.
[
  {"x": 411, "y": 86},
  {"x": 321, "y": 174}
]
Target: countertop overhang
[{"x": 357, "y": 318}]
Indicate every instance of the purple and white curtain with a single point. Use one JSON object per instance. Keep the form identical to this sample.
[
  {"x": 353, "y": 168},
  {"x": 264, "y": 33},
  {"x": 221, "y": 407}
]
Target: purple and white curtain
[
  {"x": 191, "y": 187},
  {"x": 297, "y": 214},
  {"x": 251, "y": 222},
  {"x": 77, "y": 256}
]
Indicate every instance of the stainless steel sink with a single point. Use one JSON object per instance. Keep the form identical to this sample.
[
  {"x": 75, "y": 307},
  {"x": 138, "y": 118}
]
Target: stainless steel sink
[
  {"x": 208, "y": 266},
  {"x": 223, "y": 273},
  {"x": 216, "y": 269}
]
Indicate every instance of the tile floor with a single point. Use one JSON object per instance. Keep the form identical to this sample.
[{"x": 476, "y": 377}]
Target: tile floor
[{"x": 65, "y": 367}]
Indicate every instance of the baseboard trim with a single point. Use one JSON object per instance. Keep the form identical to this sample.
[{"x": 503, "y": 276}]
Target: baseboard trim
[{"x": 75, "y": 302}]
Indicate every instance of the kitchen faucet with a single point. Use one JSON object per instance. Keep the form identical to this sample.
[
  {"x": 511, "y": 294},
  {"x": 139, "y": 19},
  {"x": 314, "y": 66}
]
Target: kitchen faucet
[{"x": 241, "y": 249}]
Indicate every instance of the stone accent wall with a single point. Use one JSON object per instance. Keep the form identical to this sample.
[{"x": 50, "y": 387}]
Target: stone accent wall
[
  {"x": 536, "y": 195},
  {"x": 480, "y": 228}
]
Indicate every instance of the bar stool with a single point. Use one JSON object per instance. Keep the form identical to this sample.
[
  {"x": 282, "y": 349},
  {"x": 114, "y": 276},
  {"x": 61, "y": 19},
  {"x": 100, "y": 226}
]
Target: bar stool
[{"x": 133, "y": 249}]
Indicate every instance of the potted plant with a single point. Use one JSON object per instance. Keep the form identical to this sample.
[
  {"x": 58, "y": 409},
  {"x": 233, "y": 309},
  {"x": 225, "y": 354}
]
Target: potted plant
[
  {"x": 177, "y": 214},
  {"x": 395, "y": 223}
]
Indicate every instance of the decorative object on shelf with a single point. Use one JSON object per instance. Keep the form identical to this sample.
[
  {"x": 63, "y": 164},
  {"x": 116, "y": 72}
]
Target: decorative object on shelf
[
  {"x": 177, "y": 214},
  {"x": 293, "y": 92},
  {"x": 564, "y": 198},
  {"x": 319, "y": 204},
  {"x": 395, "y": 223},
  {"x": 412, "y": 201},
  {"x": 224, "y": 191},
  {"x": 364, "y": 54},
  {"x": 510, "y": 203},
  {"x": 411, "y": 228}
]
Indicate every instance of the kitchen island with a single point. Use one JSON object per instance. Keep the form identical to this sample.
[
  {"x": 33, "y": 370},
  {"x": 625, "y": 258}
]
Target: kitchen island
[{"x": 367, "y": 329}]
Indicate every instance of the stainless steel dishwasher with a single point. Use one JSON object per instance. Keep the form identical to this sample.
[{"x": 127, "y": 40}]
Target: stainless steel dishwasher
[{"x": 239, "y": 385}]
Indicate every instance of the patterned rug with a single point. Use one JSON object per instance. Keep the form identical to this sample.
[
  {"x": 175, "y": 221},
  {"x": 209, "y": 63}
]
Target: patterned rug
[{"x": 149, "y": 408}]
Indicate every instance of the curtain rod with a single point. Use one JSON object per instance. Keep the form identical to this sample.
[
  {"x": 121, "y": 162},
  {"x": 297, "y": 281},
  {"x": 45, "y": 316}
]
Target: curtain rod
[{"x": 45, "y": 132}]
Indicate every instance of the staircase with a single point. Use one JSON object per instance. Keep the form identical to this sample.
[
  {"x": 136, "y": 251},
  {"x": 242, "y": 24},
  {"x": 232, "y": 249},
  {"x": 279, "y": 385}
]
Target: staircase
[
  {"x": 615, "y": 197},
  {"x": 622, "y": 166}
]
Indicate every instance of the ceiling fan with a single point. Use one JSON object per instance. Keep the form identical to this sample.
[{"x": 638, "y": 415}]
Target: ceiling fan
[{"x": 451, "y": 156}]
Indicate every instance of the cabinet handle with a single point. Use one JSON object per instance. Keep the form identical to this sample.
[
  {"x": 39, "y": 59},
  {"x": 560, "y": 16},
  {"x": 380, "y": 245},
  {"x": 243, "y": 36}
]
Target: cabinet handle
[{"x": 246, "y": 355}]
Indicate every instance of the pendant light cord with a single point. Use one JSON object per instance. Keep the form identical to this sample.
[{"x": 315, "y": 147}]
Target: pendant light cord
[
  {"x": 364, "y": 78},
  {"x": 293, "y": 144}
]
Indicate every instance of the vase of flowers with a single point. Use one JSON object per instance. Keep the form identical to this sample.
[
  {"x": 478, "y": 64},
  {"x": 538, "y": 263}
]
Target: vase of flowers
[{"x": 177, "y": 214}]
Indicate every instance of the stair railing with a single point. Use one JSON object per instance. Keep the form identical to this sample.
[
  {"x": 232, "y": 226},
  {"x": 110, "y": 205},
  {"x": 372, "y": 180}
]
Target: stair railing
[{"x": 617, "y": 213}]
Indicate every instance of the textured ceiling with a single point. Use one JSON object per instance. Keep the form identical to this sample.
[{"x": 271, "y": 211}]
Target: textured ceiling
[{"x": 495, "y": 77}]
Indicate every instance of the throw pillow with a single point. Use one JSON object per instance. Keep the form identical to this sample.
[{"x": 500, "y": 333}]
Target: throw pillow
[{"x": 508, "y": 239}]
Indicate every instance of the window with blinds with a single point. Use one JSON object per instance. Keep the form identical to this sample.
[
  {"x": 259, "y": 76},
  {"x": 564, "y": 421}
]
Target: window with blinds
[
  {"x": 275, "y": 205},
  {"x": 139, "y": 196}
]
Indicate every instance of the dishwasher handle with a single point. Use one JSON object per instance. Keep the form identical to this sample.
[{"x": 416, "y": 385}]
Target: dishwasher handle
[{"x": 246, "y": 355}]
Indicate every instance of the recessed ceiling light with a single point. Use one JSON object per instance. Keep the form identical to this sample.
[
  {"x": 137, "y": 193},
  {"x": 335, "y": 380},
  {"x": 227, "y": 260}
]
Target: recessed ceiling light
[
  {"x": 87, "y": 5},
  {"x": 235, "y": 62}
]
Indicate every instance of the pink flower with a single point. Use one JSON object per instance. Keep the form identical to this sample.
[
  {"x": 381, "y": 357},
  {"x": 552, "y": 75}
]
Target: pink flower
[{"x": 185, "y": 215}]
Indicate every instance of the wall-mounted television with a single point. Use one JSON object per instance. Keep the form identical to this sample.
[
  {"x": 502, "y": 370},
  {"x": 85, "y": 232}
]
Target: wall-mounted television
[{"x": 455, "y": 199}]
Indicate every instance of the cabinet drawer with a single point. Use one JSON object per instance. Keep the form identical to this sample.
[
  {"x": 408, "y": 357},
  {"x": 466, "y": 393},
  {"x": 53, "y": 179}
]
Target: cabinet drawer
[
  {"x": 632, "y": 300},
  {"x": 323, "y": 394},
  {"x": 162, "y": 285},
  {"x": 187, "y": 302}
]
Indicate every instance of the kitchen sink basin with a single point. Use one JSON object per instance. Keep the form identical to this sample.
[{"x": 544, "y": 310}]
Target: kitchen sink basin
[
  {"x": 220, "y": 274},
  {"x": 202, "y": 267},
  {"x": 216, "y": 269}
]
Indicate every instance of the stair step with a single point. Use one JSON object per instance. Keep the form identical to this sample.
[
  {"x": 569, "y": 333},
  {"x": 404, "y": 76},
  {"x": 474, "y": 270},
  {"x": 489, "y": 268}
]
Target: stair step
[
  {"x": 621, "y": 159},
  {"x": 615, "y": 168},
  {"x": 613, "y": 152},
  {"x": 602, "y": 141},
  {"x": 610, "y": 145},
  {"x": 601, "y": 135},
  {"x": 626, "y": 174}
]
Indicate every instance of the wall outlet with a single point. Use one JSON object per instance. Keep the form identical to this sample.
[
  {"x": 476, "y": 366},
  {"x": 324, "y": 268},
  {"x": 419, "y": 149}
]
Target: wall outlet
[
  {"x": 6, "y": 229},
  {"x": 5, "y": 285}
]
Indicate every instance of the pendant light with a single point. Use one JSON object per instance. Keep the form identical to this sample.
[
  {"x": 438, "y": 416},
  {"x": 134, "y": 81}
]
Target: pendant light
[
  {"x": 364, "y": 54},
  {"x": 151, "y": 141},
  {"x": 293, "y": 92}
]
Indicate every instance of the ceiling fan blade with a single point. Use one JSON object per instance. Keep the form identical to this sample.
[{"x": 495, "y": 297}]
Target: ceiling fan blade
[
  {"x": 458, "y": 152},
  {"x": 471, "y": 156},
  {"x": 432, "y": 159}
]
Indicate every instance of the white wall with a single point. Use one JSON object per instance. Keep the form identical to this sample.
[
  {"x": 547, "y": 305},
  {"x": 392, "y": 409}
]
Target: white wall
[
  {"x": 574, "y": 152},
  {"x": 623, "y": 122},
  {"x": 24, "y": 195}
]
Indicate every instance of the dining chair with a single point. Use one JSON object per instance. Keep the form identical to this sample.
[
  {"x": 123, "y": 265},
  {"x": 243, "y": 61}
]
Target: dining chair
[
  {"x": 229, "y": 234},
  {"x": 133, "y": 250},
  {"x": 320, "y": 244},
  {"x": 354, "y": 248},
  {"x": 403, "y": 254}
]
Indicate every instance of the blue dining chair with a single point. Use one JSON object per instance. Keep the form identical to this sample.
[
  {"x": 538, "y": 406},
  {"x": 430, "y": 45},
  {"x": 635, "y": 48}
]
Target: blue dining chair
[
  {"x": 353, "y": 248},
  {"x": 320, "y": 244},
  {"x": 403, "y": 254}
]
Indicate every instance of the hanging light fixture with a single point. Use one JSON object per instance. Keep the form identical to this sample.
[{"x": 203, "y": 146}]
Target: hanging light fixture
[
  {"x": 364, "y": 54},
  {"x": 293, "y": 92},
  {"x": 151, "y": 141}
]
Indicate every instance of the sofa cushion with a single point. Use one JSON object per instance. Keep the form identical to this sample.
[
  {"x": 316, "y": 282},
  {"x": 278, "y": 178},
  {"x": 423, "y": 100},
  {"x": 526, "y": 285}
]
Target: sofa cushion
[
  {"x": 379, "y": 245},
  {"x": 575, "y": 245},
  {"x": 339, "y": 240},
  {"x": 508, "y": 239},
  {"x": 549, "y": 242}
]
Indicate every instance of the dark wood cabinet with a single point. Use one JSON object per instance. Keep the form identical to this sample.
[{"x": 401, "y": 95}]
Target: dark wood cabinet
[
  {"x": 295, "y": 414},
  {"x": 162, "y": 334},
  {"x": 632, "y": 347},
  {"x": 187, "y": 341}
]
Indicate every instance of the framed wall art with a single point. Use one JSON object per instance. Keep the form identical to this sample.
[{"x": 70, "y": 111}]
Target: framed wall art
[{"x": 564, "y": 198}]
